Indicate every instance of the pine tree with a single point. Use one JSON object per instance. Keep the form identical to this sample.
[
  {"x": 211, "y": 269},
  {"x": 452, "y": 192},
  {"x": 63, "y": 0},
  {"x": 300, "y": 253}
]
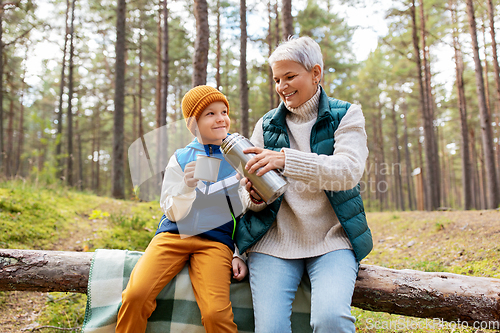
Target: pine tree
[
  {"x": 118, "y": 179},
  {"x": 201, "y": 44},
  {"x": 243, "y": 69},
  {"x": 486, "y": 131}
]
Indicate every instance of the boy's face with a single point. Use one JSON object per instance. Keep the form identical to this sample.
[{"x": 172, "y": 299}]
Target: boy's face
[{"x": 213, "y": 124}]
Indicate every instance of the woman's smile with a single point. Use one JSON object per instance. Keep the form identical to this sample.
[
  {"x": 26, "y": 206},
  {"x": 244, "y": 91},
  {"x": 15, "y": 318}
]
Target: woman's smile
[{"x": 294, "y": 83}]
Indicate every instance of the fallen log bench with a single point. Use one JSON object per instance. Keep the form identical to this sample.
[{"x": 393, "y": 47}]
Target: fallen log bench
[{"x": 447, "y": 296}]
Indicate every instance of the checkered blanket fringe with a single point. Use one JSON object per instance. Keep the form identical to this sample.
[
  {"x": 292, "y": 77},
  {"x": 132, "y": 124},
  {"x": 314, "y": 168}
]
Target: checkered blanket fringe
[{"x": 176, "y": 310}]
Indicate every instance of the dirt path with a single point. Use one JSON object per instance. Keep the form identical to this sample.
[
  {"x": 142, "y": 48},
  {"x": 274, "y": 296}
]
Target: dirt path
[{"x": 20, "y": 311}]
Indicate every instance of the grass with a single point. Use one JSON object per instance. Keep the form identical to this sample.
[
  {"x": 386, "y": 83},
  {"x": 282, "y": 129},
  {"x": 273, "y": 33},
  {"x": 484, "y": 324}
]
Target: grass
[
  {"x": 63, "y": 310},
  {"x": 60, "y": 219}
]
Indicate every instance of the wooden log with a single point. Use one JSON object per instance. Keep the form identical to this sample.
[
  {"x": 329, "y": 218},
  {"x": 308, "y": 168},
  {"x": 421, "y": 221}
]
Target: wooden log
[
  {"x": 31, "y": 270},
  {"x": 449, "y": 297}
]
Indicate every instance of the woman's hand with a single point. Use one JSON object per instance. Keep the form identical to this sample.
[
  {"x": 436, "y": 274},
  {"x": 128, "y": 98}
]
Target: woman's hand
[
  {"x": 189, "y": 174},
  {"x": 265, "y": 159},
  {"x": 240, "y": 269}
]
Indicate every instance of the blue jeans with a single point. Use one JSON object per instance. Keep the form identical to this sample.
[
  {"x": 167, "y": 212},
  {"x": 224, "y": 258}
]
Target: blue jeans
[{"x": 274, "y": 282}]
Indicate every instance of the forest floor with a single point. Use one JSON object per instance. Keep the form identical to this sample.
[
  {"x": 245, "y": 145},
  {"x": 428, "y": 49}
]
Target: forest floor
[
  {"x": 61, "y": 220},
  {"x": 462, "y": 242}
]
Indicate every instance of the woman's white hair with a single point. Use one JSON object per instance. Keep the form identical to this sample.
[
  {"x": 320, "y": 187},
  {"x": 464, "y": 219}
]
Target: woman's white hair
[{"x": 303, "y": 50}]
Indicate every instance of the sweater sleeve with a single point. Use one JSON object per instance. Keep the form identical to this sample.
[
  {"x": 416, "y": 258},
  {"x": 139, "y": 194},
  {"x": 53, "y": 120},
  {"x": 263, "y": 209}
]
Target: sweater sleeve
[
  {"x": 257, "y": 137},
  {"x": 337, "y": 172},
  {"x": 176, "y": 197}
]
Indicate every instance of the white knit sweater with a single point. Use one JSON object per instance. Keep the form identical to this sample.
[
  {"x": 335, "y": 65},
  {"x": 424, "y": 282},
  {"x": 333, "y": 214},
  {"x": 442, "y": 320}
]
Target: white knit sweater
[{"x": 306, "y": 225}]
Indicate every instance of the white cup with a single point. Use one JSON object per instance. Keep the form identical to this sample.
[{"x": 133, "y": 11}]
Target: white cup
[{"x": 207, "y": 168}]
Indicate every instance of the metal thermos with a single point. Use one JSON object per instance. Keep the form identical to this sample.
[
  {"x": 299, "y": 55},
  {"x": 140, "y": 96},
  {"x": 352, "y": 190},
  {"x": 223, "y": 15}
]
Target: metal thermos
[{"x": 270, "y": 185}]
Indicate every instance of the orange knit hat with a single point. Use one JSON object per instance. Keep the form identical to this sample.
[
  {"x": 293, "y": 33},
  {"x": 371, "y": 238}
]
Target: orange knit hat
[{"x": 196, "y": 100}]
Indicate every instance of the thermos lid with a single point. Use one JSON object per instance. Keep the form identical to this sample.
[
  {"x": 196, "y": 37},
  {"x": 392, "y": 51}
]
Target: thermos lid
[{"x": 230, "y": 141}]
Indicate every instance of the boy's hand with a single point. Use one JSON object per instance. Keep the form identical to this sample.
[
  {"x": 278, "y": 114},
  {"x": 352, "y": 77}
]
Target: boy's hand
[
  {"x": 240, "y": 269},
  {"x": 189, "y": 174},
  {"x": 244, "y": 182}
]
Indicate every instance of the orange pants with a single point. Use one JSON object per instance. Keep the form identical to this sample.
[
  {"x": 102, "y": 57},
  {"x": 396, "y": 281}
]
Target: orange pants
[{"x": 209, "y": 271}]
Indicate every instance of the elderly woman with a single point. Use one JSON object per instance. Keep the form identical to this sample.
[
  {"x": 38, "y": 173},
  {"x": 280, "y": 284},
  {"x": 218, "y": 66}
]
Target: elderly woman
[{"x": 318, "y": 226}]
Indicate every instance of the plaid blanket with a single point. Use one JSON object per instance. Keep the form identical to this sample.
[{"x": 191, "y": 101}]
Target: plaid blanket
[{"x": 176, "y": 310}]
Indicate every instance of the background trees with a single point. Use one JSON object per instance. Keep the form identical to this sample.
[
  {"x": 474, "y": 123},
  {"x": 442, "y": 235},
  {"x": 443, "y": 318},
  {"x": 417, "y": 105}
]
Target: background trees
[{"x": 427, "y": 132}]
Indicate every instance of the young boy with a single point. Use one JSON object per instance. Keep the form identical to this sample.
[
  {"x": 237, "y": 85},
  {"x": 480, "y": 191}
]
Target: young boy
[{"x": 206, "y": 216}]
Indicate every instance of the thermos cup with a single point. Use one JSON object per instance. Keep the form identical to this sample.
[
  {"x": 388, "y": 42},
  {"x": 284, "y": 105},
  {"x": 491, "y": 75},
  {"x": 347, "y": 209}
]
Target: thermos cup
[
  {"x": 207, "y": 168},
  {"x": 270, "y": 185}
]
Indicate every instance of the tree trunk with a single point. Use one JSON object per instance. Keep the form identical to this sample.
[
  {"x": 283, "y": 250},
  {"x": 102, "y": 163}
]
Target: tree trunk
[
  {"x": 486, "y": 131},
  {"x": 94, "y": 144},
  {"x": 397, "y": 171},
  {"x": 277, "y": 24},
  {"x": 98, "y": 162},
  {"x": 201, "y": 45},
  {"x": 375, "y": 156},
  {"x": 486, "y": 72},
  {"x": 382, "y": 179},
  {"x": 430, "y": 190},
  {"x": 10, "y": 136},
  {"x": 80, "y": 184},
  {"x": 20, "y": 143},
  {"x": 135, "y": 109},
  {"x": 165, "y": 67},
  {"x": 219, "y": 50},
  {"x": 158, "y": 66},
  {"x": 163, "y": 152},
  {"x": 442, "y": 163},
  {"x": 420, "y": 180},
  {"x": 409, "y": 167},
  {"x": 95, "y": 149},
  {"x": 272, "y": 102},
  {"x": 431, "y": 154},
  {"x": 139, "y": 129},
  {"x": 59, "y": 159},
  {"x": 447, "y": 296},
  {"x": 1, "y": 88},
  {"x": 476, "y": 186},
  {"x": 287, "y": 19},
  {"x": 491, "y": 16},
  {"x": 462, "y": 107},
  {"x": 379, "y": 161},
  {"x": 118, "y": 179},
  {"x": 483, "y": 178},
  {"x": 243, "y": 69},
  {"x": 69, "y": 162}
]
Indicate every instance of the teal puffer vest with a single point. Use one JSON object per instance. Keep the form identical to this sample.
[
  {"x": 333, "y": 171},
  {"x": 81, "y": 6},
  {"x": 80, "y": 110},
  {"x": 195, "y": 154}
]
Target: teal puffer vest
[{"x": 348, "y": 205}]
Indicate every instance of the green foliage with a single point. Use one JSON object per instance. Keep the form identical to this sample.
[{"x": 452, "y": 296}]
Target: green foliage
[
  {"x": 334, "y": 36},
  {"x": 65, "y": 310},
  {"x": 98, "y": 214},
  {"x": 25, "y": 216},
  {"x": 2, "y": 299},
  {"x": 127, "y": 232}
]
